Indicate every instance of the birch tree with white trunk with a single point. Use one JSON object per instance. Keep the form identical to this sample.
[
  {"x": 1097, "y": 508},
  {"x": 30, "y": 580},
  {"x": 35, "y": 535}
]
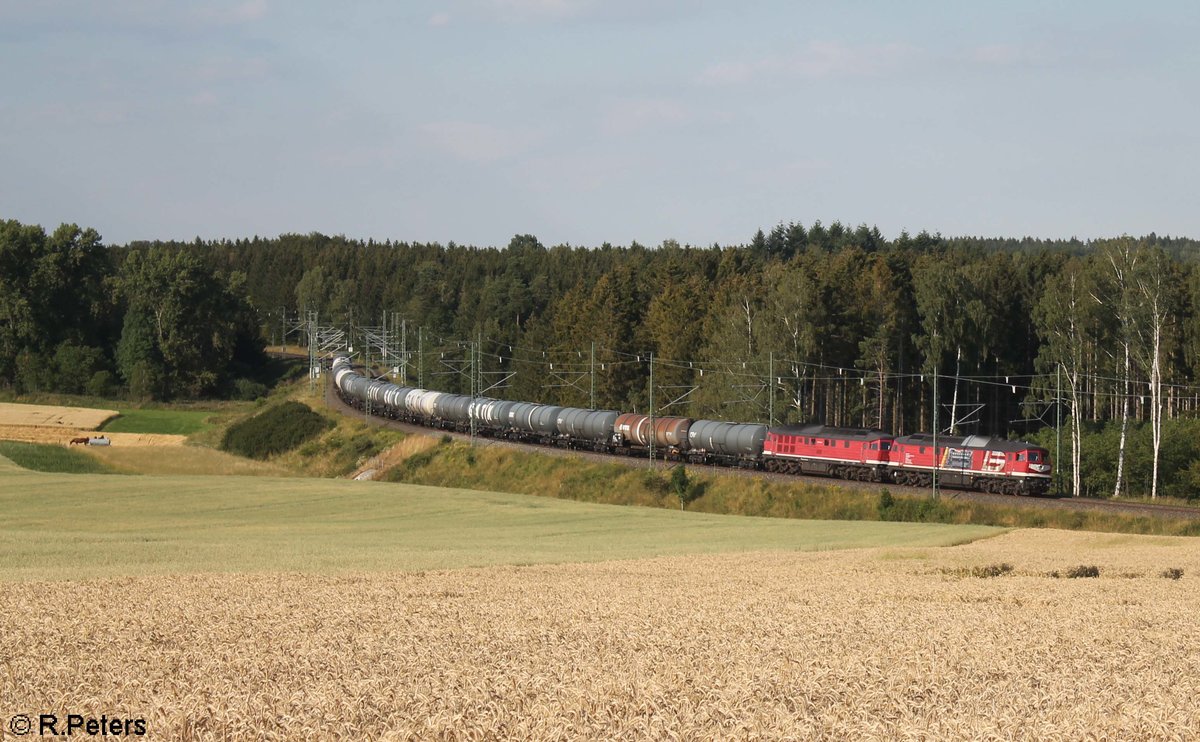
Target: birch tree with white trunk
[{"x": 1064, "y": 316}]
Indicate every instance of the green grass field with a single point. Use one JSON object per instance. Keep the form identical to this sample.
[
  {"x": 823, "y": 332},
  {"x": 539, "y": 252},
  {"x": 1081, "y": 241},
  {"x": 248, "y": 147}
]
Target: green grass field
[
  {"x": 170, "y": 422},
  {"x": 48, "y": 458},
  {"x": 64, "y": 526}
]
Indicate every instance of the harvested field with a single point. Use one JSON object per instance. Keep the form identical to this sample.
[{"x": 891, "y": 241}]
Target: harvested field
[
  {"x": 63, "y": 436},
  {"x": 50, "y": 416},
  {"x": 882, "y": 643}
]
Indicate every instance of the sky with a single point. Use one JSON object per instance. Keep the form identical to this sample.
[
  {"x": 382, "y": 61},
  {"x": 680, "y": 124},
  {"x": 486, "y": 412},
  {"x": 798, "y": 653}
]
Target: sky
[{"x": 592, "y": 121}]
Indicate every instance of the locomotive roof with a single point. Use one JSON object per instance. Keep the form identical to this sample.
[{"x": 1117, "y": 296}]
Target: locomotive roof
[
  {"x": 824, "y": 431},
  {"x": 993, "y": 443}
]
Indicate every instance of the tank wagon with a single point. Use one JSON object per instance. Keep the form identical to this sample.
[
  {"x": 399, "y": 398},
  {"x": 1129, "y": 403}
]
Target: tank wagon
[
  {"x": 592, "y": 428},
  {"x": 733, "y": 444},
  {"x": 634, "y": 433},
  {"x": 864, "y": 454}
]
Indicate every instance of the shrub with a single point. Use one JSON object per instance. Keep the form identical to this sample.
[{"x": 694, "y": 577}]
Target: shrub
[
  {"x": 684, "y": 488},
  {"x": 34, "y": 373},
  {"x": 350, "y": 452},
  {"x": 274, "y": 430},
  {"x": 981, "y": 571},
  {"x": 101, "y": 384},
  {"x": 75, "y": 365},
  {"x": 886, "y": 503},
  {"x": 654, "y": 482},
  {"x": 145, "y": 381},
  {"x": 1082, "y": 570},
  {"x": 992, "y": 570},
  {"x": 410, "y": 466},
  {"x": 1174, "y": 573},
  {"x": 913, "y": 510},
  {"x": 248, "y": 389}
]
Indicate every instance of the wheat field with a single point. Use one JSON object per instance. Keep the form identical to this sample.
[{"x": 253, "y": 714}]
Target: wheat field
[
  {"x": 53, "y": 416},
  {"x": 880, "y": 643}
]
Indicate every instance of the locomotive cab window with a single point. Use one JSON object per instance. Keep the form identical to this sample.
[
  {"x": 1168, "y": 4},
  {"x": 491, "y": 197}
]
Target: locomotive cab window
[
  {"x": 1034, "y": 456},
  {"x": 1020, "y": 457}
]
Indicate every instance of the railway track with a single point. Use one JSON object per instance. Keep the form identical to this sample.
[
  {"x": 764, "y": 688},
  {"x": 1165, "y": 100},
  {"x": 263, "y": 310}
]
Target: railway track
[{"x": 1173, "y": 512}]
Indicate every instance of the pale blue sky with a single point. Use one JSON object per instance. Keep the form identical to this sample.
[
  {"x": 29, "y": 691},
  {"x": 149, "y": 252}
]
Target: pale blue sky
[{"x": 584, "y": 121}]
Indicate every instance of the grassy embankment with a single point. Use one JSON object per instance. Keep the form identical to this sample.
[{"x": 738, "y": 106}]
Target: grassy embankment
[
  {"x": 433, "y": 461},
  {"x": 69, "y": 526}
]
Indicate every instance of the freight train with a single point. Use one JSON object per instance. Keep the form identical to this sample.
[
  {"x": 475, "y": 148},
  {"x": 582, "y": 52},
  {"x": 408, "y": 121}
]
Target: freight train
[{"x": 973, "y": 462}]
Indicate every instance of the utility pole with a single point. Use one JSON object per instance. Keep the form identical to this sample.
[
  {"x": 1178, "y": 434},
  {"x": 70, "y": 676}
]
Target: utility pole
[
  {"x": 771, "y": 389},
  {"x": 935, "y": 435},
  {"x": 421, "y": 357},
  {"x": 312, "y": 351},
  {"x": 404, "y": 352},
  {"x": 592, "y": 373},
  {"x": 652, "y": 409},
  {"x": 474, "y": 385}
]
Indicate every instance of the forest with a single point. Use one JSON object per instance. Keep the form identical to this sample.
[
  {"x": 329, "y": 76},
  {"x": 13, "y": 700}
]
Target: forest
[
  {"x": 1090, "y": 348},
  {"x": 78, "y": 317}
]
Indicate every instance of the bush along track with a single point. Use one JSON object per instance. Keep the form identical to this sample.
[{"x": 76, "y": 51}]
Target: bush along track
[{"x": 274, "y": 431}]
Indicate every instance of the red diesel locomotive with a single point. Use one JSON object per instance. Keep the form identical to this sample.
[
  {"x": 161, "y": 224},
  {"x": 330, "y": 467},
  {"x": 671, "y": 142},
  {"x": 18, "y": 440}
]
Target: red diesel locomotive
[
  {"x": 849, "y": 453},
  {"x": 975, "y": 462},
  {"x": 972, "y": 462}
]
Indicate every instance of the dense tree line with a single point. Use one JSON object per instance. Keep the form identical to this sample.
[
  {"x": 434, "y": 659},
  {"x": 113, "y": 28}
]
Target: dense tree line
[
  {"x": 820, "y": 323},
  {"x": 155, "y": 323}
]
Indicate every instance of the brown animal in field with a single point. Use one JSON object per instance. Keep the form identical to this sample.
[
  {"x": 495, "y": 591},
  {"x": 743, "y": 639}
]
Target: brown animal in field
[{"x": 83, "y": 440}]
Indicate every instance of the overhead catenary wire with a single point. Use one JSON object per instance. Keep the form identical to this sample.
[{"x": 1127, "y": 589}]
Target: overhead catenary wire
[{"x": 598, "y": 358}]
